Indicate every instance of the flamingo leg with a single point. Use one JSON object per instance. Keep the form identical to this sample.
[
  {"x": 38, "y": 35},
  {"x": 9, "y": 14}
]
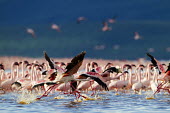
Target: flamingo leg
[
  {"x": 47, "y": 92},
  {"x": 167, "y": 89},
  {"x": 93, "y": 90},
  {"x": 65, "y": 92},
  {"x": 78, "y": 95},
  {"x": 159, "y": 87}
]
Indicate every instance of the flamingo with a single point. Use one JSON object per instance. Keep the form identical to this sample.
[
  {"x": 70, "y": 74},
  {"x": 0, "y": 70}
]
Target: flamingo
[
  {"x": 146, "y": 77},
  {"x": 71, "y": 69},
  {"x": 138, "y": 85},
  {"x": 118, "y": 84},
  {"x": 31, "y": 31},
  {"x": 113, "y": 19},
  {"x": 154, "y": 82},
  {"x": 156, "y": 64},
  {"x": 137, "y": 36},
  {"x": 106, "y": 27},
  {"x": 6, "y": 84},
  {"x": 67, "y": 76},
  {"x": 105, "y": 76},
  {"x": 80, "y": 19},
  {"x": 165, "y": 81},
  {"x": 55, "y": 27}
]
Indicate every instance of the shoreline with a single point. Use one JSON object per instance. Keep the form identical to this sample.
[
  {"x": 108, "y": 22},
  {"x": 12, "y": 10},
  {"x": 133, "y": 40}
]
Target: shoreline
[{"x": 7, "y": 61}]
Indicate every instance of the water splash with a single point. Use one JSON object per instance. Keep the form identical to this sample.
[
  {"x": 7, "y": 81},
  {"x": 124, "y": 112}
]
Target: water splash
[
  {"x": 86, "y": 98},
  {"x": 26, "y": 97},
  {"x": 59, "y": 97},
  {"x": 149, "y": 95}
]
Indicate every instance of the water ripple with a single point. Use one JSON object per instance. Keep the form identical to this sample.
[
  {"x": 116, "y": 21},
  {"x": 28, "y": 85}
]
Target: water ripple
[{"x": 132, "y": 103}]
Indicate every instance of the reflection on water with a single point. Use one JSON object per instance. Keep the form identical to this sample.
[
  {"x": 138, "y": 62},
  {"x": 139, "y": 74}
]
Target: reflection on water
[{"x": 108, "y": 102}]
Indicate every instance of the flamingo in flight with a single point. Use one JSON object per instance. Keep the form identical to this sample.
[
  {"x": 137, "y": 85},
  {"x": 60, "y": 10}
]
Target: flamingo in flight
[
  {"x": 106, "y": 27},
  {"x": 31, "y": 31},
  {"x": 60, "y": 77},
  {"x": 68, "y": 75},
  {"x": 80, "y": 19},
  {"x": 165, "y": 78},
  {"x": 112, "y": 20},
  {"x": 137, "y": 36},
  {"x": 55, "y": 27}
]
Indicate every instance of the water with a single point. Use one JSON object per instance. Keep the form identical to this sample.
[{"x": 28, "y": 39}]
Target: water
[{"x": 108, "y": 102}]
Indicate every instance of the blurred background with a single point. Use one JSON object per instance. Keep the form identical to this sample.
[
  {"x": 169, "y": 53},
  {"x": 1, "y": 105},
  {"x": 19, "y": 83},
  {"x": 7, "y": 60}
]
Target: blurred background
[{"x": 106, "y": 29}]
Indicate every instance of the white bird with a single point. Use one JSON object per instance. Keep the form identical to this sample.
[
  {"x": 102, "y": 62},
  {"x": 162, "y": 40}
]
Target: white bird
[
  {"x": 55, "y": 27},
  {"x": 31, "y": 31},
  {"x": 137, "y": 36}
]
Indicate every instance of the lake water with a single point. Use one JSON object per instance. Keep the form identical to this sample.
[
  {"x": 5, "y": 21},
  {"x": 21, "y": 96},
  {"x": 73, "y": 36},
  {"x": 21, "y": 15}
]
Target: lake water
[{"x": 107, "y": 102}]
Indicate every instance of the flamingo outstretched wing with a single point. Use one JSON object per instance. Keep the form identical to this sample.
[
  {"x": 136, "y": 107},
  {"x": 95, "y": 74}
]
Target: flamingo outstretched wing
[
  {"x": 168, "y": 69},
  {"x": 50, "y": 62},
  {"x": 75, "y": 64},
  {"x": 97, "y": 79},
  {"x": 112, "y": 69},
  {"x": 156, "y": 64}
]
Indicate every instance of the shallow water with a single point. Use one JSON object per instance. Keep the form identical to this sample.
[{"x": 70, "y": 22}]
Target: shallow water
[{"x": 108, "y": 102}]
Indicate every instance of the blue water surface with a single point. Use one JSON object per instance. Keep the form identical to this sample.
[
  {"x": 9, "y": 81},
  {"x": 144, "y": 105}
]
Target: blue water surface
[{"x": 109, "y": 103}]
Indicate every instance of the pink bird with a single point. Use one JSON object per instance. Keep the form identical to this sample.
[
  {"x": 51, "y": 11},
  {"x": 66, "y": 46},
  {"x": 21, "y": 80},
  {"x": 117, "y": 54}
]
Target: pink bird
[
  {"x": 137, "y": 36},
  {"x": 55, "y": 27},
  {"x": 168, "y": 49},
  {"x": 31, "y": 31},
  {"x": 151, "y": 50},
  {"x": 112, "y": 20},
  {"x": 106, "y": 27},
  {"x": 79, "y": 19}
]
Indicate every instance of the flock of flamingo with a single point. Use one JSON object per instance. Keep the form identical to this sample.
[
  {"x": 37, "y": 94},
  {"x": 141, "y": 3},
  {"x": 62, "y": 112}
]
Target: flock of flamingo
[
  {"x": 67, "y": 78},
  {"x": 79, "y": 20}
]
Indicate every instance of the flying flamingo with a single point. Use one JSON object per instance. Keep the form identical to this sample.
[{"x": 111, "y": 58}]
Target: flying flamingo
[
  {"x": 165, "y": 81},
  {"x": 67, "y": 76},
  {"x": 80, "y": 19},
  {"x": 106, "y": 27},
  {"x": 165, "y": 74},
  {"x": 137, "y": 36},
  {"x": 105, "y": 76},
  {"x": 55, "y": 27},
  {"x": 31, "y": 31},
  {"x": 112, "y": 20}
]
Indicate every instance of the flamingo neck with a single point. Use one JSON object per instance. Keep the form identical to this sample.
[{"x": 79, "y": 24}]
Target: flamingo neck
[
  {"x": 130, "y": 76},
  {"x": 12, "y": 71},
  {"x": 22, "y": 70}
]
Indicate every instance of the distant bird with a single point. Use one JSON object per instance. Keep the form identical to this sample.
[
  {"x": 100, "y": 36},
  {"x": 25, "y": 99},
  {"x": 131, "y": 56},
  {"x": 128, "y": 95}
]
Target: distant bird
[
  {"x": 99, "y": 47},
  {"x": 112, "y": 20},
  {"x": 55, "y": 27},
  {"x": 137, "y": 36},
  {"x": 168, "y": 49},
  {"x": 79, "y": 19},
  {"x": 31, "y": 31},
  {"x": 151, "y": 50},
  {"x": 116, "y": 47},
  {"x": 106, "y": 27}
]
